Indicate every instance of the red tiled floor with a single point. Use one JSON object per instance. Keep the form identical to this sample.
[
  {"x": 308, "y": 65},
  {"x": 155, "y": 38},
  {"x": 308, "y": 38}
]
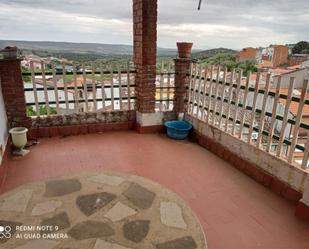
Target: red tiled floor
[{"x": 235, "y": 211}]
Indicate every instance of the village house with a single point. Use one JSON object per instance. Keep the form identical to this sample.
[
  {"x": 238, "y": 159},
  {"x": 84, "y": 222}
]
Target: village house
[
  {"x": 273, "y": 56},
  {"x": 246, "y": 54},
  {"x": 299, "y": 74}
]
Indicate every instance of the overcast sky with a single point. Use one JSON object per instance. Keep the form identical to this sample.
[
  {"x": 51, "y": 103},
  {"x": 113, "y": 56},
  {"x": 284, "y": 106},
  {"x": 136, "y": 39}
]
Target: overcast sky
[{"x": 220, "y": 23}]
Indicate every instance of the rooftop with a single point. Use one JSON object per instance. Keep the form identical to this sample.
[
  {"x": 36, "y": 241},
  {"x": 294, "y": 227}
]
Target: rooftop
[
  {"x": 294, "y": 105},
  {"x": 261, "y": 202},
  {"x": 234, "y": 210}
]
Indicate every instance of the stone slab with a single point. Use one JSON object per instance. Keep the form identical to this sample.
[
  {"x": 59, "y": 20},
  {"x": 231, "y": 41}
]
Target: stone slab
[
  {"x": 61, "y": 187},
  {"x": 39, "y": 244},
  {"x": 17, "y": 202},
  {"x": 139, "y": 196},
  {"x": 61, "y": 220},
  {"x": 101, "y": 244},
  {"x": 136, "y": 230},
  {"x": 171, "y": 215},
  {"x": 91, "y": 229},
  {"x": 119, "y": 211},
  {"x": 180, "y": 243},
  {"x": 46, "y": 207},
  {"x": 89, "y": 204},
  {"x": 107, "y": 179}
]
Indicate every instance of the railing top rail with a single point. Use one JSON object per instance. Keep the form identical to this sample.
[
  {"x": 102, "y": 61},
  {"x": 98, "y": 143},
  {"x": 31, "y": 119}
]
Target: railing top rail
[{"x": 49, "y": 73}]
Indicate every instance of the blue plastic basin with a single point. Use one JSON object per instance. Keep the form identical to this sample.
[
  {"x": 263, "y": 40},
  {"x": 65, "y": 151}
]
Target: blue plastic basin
[{"x": 178, "y": 129}]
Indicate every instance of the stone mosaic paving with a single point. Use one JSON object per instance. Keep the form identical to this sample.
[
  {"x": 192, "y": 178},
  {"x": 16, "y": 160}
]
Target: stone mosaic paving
[{"x": 100, "y": 211}]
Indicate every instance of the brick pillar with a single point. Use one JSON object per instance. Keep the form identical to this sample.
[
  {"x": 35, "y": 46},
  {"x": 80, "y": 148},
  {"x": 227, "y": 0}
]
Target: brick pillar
[
  {"x": 145, "y": 52},
  {"x": 145, "y": 49},
  {"x": 13, "y": 93},
  {"x": 182, "y": 81}
]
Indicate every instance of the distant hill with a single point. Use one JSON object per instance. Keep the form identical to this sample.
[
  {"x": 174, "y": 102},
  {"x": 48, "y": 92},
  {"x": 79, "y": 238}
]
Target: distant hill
[
  {"x": 79, "y": 48},
  {"x": 211, "y": 52}
]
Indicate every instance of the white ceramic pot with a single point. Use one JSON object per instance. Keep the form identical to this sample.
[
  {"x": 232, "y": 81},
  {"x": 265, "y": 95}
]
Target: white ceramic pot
[{"x": 19, "y": 137}]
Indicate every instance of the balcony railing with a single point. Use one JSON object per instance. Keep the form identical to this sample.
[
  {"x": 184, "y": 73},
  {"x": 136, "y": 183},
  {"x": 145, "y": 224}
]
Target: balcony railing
[
  {"x": 165, "y": 86},
  {"x": 256, "y": 112},
  {"x": 66, "y": 89},
  {"x": 70, "y": 89}
]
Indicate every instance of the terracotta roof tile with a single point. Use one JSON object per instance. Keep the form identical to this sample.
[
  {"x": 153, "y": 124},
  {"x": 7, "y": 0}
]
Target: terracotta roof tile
[{"x": 294, "y": 105}]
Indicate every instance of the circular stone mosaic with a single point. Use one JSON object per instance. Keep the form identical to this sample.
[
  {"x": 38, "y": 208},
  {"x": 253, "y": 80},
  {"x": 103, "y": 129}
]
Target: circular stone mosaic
[{"x": 101, "y": 211}]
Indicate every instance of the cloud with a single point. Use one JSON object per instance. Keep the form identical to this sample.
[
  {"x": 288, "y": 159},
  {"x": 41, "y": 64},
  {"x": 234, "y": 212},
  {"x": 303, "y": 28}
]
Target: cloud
[
  {"x": 29, "y": 23},
  {"x": 227, "y": 23}
]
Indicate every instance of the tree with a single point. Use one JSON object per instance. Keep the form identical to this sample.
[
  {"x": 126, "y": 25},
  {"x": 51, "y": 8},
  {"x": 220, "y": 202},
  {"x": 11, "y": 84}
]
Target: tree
[
  {"x": 305, "y": 51},
  {"x": 30, "y": 111},
  {"x": 26, "y": 78},
  {"x": 230, "y": 65},
  {"x": 42, "y": 109},
  {"x": 229, "y": 61},
  {"x": 247, "y": 66},
  {"x": 301, "y": 47}
]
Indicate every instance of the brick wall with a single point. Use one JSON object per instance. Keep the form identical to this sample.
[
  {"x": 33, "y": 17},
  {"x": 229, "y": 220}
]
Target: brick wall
[
  {"x": 145, "y": 49},
  {"x": 280, "y": 55},
  {"x": 297, "y": 59},
  {"x": 246, "y": 54},
  {"x": 13, "y": 93}
]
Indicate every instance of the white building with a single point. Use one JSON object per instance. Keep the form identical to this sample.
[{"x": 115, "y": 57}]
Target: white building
[{"x": 299, "y": 74}]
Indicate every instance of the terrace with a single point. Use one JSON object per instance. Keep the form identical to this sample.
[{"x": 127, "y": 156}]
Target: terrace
[{"x": 109, "y": 118}]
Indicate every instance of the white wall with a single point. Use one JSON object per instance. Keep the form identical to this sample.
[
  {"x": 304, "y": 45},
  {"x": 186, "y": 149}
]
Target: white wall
[
  {"x": 300, "y": 76},
  {"x": 293, "y": 175},
  {"x": 3, "y": 125},
  {"x": 305, "y": 198}
]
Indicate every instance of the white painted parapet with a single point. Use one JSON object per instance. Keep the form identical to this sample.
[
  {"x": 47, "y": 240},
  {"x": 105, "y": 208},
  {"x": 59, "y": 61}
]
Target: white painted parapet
[
  {"x": 292, "y": 174},
  {"x": 149, "y": 119},
  {"x": 305, "y": 198}
]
